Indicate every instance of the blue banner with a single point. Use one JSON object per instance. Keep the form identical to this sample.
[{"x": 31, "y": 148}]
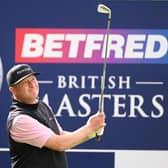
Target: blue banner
[{"x": 65, "y": 42}]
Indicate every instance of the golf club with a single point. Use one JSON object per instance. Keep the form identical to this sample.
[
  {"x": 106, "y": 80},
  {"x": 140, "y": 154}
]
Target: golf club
[{"x": 105, "y": 10}]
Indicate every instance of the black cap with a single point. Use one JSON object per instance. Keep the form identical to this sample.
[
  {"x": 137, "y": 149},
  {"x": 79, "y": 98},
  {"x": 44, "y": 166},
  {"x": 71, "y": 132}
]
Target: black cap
[{"x": 18, "y": 73}]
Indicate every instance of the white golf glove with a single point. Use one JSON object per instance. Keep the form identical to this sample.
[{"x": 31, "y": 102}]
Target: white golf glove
[{"x": 98, "y": 132}]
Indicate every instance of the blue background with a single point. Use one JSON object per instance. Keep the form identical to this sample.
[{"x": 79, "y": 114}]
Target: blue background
[{"x": 126, "y": 133}]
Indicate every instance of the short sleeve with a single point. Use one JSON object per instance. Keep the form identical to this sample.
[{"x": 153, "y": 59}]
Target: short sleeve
[{"x": 26, "y": 129}]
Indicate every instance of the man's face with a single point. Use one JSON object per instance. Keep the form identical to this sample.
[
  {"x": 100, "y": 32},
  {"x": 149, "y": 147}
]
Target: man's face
[{"x": 27, "y": 90}]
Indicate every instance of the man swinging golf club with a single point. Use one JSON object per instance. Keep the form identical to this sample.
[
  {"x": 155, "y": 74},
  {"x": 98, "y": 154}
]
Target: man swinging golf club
[{"x": 36, "y": 139}]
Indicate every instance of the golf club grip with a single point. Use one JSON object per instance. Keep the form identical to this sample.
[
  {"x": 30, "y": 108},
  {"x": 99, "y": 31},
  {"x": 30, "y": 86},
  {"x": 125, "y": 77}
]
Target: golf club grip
[{"x": 98, "y": 137}]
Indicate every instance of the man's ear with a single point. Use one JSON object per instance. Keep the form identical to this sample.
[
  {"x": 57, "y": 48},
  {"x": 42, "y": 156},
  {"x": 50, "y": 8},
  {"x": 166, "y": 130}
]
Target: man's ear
[{"x": 12, "y": 89}]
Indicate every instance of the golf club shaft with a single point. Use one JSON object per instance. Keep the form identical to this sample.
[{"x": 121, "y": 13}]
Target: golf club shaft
[
  {"x": 101, "y": 103},
  {"x": 103, "y": 79}
]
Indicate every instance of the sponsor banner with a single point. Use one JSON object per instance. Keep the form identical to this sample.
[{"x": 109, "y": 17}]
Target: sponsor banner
[
  {"x": 88, "y": 45},
  {"x": 135, "y": 104}
]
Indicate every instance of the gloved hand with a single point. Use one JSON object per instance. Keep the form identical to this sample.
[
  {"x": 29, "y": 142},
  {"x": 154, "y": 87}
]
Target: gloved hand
[
  {"x": 97, "y": 133},
  {"x": 100, "y": 131}
]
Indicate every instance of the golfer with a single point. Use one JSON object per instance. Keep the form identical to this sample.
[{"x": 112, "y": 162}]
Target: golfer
[{"x": 36, "y": 139}]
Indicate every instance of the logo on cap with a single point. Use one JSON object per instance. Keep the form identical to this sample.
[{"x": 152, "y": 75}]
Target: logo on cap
[
  {"x": 18, "y": 73},
  {"x": 23, "y": 70}
]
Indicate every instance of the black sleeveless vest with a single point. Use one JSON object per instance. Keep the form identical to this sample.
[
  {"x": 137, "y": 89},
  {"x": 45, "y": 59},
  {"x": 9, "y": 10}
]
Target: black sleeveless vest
[{"x": 27, "y": 156}]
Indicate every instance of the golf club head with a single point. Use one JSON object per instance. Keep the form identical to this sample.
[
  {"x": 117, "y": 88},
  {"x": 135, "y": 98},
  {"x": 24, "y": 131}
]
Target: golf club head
[{"x": 104, "y": 9}]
